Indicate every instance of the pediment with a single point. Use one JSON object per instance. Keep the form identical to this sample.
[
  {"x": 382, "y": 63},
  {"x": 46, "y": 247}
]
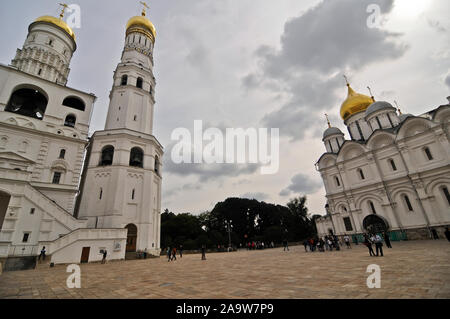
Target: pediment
[{"x": 14, "y": 157}]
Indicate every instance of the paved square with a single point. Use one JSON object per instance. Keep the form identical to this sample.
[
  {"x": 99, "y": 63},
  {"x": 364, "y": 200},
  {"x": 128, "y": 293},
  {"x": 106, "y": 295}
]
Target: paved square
[{"x": 415, "y": 269}]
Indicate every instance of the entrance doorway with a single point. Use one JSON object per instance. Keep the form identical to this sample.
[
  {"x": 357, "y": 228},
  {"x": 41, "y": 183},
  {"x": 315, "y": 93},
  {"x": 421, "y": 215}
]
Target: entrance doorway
[
  {"x": 4, "y": 202},
  {"x": 131, "y": 237},
  {"x": 375, "y": 224},
  {"x": 85, "y": 255}
]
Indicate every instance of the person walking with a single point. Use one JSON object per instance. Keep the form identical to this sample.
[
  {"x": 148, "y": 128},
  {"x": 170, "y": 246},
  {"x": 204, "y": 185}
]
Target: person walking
[
  {"x": 42, "y": 254},
  {"x": 174, "y": 253},
  {"x": 203, "y": 252},
  {"x": 105, "y": 253},
  {"x": 435, "y": 234},
  {"x": 169, "y": 252},
  {"x": 447, "y": 233},
  {"x": 387, "y": 240},
  {"x": 305, "y": 244},
  {"x": 368, "y": 244},
  {"x": 378, "y": 244},
  {"x": 347, "y": 241},
  {"x": 181, "y": 251},
  {"x": 285, "y": 244}
]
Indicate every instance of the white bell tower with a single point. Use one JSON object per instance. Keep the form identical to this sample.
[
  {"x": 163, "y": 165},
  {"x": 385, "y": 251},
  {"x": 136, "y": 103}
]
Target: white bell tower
[{"x": 121, "y": 186}]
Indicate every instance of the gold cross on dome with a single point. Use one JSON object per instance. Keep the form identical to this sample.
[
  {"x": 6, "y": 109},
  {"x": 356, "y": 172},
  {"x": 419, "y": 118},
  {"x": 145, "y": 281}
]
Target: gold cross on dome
[
  {"x": 145, "y": 7},
  {"x": 328, "y": 120},
  {"x": 64, "y": 7},
  {"x": 346, "y": 79}
]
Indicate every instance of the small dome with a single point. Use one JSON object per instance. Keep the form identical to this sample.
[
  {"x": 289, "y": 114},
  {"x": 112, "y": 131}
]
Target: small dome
[
  {"x": 142, "y": 22},
  {"x": 354, "y": 103},
  {"x": 59, "y": 23},
  {"x": 332, "y": 131},
  {"x": 404, "y": 117},
  {"x": 377, "y": 106}
]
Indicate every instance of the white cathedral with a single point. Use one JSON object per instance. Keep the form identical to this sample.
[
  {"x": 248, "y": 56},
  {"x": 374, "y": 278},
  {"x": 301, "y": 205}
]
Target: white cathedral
[
  {"x": 59, "y": 188},
  {"x": 392, "y": 175}
]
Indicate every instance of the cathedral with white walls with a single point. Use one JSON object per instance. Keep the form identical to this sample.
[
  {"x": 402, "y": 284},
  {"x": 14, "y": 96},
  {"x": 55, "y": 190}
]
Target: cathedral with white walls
[
  {"x": 392, "y": 175},
  {"x": 60, "y": 189}
]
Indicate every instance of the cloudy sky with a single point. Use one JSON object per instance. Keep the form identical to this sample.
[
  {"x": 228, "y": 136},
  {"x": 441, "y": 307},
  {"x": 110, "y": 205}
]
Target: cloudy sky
[{"x": 261, "y": 64}]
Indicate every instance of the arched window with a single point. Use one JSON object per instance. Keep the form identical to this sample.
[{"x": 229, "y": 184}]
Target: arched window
[
  {"x": 428, "y": 153},
  {"x": 408, "y": 203},
  {"x": 74, "y": 103},
  {"x": 372, "y": 207},
  {"x": 136, "y": 157},
  {"x": 27, "y": 102},
  {"x": 337, "y": 181},
  {"x": 133, "y": 193},
  {"x": 139, "y": 83},
  {"x": 107, "y": 156},
  {"x": 124, "y": 80},
  {"x": 101, "y": 193},
  {"x": 394, "y": 167},
  {"x": 157, "y": 164},
  {"x": 62, "y": 154},
  {"x": 361, "y": 174},
  {"x": 70, "y": 120},
  {"x": 446, "y": 194}
]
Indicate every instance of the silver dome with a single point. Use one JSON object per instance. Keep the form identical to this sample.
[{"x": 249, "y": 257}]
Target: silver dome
[
  {"x": 332, "y": 131},
  {"x": 377, "y": 106}
]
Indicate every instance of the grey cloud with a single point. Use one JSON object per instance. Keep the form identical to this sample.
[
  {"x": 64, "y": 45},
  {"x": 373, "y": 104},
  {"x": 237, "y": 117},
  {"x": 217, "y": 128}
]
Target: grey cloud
[
  {"x": 258, "y": 196},
  {"x": 447, "y": 80},
  {"x": 316, "y": 46},
  {"x": 301, "y": 184}
]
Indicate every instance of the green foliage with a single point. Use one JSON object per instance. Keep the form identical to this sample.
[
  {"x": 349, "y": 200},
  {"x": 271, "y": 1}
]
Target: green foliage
[{"x": 251, "y": 220}]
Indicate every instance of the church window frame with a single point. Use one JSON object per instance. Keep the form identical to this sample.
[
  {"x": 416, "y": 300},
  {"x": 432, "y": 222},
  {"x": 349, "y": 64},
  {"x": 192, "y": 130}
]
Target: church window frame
[
  {"x": 361, "y": 174},
  {"x": 62, "y": 154},
  {"x": 124, "y": 80},
  {"x": 133, "y": 194},
  {"x": 139, "y": 83},
  {"x": 28, "y": 100},
  {"x": 101, "y": 194},
  {"x": 372, "y": 207},
  {"x": 57, "y": 176},
  {"x": 74, "y": 102},
  {"x": 338, "y": 183},
  {"x": 393, "y": 166},
  {"x": 70, "y": 120},
  {"x": 347, "y": 223},
  {"x": 360, "y": 131},
  {"x": 107, "y": 156},
  {"x": 446, "y": 193},
  {"x": 407, "y": 202},
  {"x": 157, "y": 165},
  {"x": 390, "y": 120},
  {"x": 378, "y": 122},
  {"x": 428, "y": 153},
  {"x": 136, "y": 157}
]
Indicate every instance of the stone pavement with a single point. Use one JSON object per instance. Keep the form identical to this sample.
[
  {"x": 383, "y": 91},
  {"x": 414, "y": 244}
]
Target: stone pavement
[{"x": 412, "y": 269}]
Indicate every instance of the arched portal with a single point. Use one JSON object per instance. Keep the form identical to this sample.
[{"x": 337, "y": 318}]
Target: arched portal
[
  {"x": 131, "y": 237},
  {"x": 375, "y": 224},
  {"x": 4, "y": 202}
]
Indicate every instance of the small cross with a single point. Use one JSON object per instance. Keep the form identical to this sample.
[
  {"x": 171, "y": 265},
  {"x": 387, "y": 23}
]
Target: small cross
[
  {"x": 64, "y": 7},
  {"x": 145, "y": 7},
  {"x": 346, "y": 80},
  {"x": 328, "y": 120},
  {"x": 370, "y": 91}
]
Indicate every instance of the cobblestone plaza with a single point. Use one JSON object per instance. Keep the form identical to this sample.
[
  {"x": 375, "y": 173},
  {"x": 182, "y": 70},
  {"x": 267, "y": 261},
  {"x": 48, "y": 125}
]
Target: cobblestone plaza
[{"x": 411, "y": 269}]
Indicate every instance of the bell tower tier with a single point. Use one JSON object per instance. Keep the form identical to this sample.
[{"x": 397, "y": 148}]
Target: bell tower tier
[{"x": 123, "y": 164}]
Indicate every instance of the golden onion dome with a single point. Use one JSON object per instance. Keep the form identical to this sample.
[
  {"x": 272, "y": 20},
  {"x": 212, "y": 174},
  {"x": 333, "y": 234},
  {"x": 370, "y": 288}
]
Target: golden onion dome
[
  {"x": 59, "y": 23},
  {"x": 138, "y": 22},
  {"x": 354, "y": 103}
]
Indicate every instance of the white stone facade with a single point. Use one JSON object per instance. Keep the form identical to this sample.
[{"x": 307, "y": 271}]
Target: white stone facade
[
  {"x": 398, "y": 170},
  {"x": 49, "y": 167}
]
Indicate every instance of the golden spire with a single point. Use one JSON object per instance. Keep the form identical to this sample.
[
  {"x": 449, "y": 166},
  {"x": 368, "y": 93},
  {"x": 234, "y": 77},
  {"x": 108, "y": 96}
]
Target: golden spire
[
  {"x": 64, "y": 7},
  {"x": 398, "y": 108},
  {"x": 371, "y": 95},
  {"x": 328, "y": 120},
  {"x": 144, "y": 8},
  {"x": 354, "y": 103}
]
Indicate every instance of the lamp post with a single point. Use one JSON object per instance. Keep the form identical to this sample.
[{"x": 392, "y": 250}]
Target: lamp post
[{"x": 229, "y": 228}]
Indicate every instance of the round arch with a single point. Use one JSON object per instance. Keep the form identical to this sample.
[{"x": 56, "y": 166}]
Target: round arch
[
  {"x": 131, "y": 237},
  {"x": 28, "y": 100},
  {"x": 375, "y": 224}
]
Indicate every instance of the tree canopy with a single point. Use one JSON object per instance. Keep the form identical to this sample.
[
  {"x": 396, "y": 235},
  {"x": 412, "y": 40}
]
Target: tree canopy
[{"x": 250, "y": 219}]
